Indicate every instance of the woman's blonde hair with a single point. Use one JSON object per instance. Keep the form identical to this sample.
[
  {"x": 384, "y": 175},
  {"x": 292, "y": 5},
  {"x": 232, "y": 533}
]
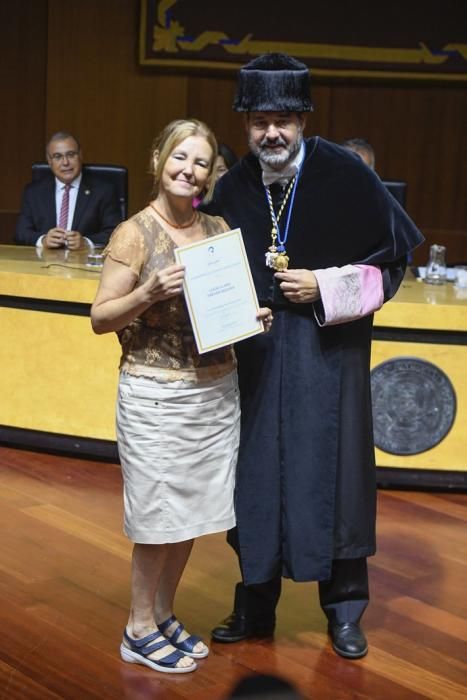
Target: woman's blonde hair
[{"x": 169, "y": 138}]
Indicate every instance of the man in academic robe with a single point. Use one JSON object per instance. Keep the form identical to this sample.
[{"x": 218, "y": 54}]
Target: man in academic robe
[
  {"x": 327, "y": 246},
  {"x": 67, "y": 208}
]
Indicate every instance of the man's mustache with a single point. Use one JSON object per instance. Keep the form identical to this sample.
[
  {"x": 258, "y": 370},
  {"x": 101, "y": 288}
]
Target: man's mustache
[{"x": 278, "y": 141}]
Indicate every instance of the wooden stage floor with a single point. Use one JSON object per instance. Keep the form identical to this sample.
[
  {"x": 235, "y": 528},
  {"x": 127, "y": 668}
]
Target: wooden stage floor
[{"x": 64, "y": 572}]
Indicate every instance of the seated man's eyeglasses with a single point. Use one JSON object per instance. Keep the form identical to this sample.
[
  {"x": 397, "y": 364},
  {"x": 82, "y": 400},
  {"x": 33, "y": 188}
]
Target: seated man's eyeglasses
[{"x": 69, "y": 155}]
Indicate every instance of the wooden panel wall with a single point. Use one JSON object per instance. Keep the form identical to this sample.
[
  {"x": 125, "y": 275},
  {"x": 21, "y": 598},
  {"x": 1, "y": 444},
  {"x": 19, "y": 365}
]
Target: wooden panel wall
[
  {"x": 23, "y": 38},
  {"x": 74, "y": 66},
  {"x": 114, "y": 106}
]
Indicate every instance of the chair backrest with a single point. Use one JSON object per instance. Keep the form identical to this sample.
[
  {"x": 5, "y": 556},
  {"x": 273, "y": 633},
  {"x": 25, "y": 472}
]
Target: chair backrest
[
  {"x": 115, "y": 175},
  {"x": 398, "y": 189}
]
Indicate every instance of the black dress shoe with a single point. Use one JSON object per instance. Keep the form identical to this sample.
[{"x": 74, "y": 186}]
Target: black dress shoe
[
  {"x": 348, "y": 640},
  {"x": 242, "y": 624},
  {"x": 236, "y": 627}
]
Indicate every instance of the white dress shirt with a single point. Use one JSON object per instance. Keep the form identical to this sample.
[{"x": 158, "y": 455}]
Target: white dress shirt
[{"x": 59, "y": 192}]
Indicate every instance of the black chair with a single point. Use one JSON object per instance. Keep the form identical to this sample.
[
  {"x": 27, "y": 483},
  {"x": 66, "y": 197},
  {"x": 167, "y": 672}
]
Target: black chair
[
  {"x": 115, "y": 175},
  {"x": 398, "y": 189}
]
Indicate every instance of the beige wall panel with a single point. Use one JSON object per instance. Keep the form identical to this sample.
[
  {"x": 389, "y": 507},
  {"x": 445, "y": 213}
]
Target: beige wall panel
[
  {"x": 59, "y": 275},
  {"x": 59, "y": 377},
  {"x": 62, "y": 380},
  {"x": 423, "y": 307}
]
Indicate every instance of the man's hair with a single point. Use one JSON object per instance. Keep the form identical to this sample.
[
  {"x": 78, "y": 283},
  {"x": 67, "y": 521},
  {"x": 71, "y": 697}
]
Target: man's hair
[
  {"x": 227, "y": 154},
  {"x": 361, "y": 146},
  {"x": 61, "y": 136},
  {"x": 169, "y": 138}
]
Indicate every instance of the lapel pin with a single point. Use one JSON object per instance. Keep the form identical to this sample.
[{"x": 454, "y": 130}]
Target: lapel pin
[{"x": 87, "y": 191}]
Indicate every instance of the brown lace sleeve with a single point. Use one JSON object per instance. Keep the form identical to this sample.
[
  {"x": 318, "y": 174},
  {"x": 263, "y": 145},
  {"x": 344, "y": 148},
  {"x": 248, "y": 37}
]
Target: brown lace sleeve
[
  {"x": 214, "y": 224},
  {"x": 127, "y": 246}
]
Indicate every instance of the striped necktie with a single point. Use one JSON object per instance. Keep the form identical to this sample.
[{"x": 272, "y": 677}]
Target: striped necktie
[{"x": 63, "y": 218}]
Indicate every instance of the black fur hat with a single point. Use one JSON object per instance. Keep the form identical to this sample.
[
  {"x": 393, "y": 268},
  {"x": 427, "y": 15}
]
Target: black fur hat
[{"x": 273, "y": 82}]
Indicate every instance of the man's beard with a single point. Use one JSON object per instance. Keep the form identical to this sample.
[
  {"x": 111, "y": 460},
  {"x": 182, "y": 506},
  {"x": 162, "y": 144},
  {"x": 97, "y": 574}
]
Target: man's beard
[{"x": 270, "y": 157}]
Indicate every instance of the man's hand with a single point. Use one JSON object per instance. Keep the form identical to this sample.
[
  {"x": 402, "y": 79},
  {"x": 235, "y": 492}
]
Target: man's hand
[
  {"x": 299, "y": 286},
  {"x": 74, "y": 240},
  {"x": 54, "y": 238}
]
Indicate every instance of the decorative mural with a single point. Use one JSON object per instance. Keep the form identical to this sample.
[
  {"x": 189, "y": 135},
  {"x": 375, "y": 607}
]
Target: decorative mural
[{"x": 421, "y": 39}]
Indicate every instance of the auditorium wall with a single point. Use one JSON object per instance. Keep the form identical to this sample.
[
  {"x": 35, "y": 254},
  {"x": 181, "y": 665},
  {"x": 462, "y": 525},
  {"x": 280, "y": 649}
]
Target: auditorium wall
[{"x": 75, "y": 66}]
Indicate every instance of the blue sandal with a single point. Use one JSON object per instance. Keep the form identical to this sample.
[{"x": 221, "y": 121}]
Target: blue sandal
[
  {"x": 138, "y": 649},
  {"x": 187, "y": 645}
]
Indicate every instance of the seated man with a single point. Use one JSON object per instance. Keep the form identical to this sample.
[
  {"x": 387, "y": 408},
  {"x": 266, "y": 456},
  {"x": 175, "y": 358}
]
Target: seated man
[
  {"x": 364, "y": 149},
  {"x": 71, "y": 209}
]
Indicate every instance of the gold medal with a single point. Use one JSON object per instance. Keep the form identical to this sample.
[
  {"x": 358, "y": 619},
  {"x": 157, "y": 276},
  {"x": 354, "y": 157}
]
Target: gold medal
[
  {"x": 278, "y": 259},
  {"x": 280, "y": 262}
]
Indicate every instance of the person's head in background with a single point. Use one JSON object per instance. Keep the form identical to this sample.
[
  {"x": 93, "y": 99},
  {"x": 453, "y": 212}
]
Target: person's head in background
[
  {"x": 363, "y": 149},
  {"x": 225, "y": 159},
  {"x": 63, "y": 154}
]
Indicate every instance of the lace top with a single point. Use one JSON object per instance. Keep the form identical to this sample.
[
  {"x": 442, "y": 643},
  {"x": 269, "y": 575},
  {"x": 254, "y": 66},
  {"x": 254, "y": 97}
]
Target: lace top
[{"x": 160, "y": 342}]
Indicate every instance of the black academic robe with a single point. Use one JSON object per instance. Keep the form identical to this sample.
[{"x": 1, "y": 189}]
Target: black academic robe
[{"x": 306, "y": 488}]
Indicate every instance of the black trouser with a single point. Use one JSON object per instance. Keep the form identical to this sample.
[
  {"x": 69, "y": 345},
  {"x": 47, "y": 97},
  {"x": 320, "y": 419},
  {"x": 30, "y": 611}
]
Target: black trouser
[{"x": 343, "y": 597}]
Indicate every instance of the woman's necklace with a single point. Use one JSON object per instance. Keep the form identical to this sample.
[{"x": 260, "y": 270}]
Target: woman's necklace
[
  {"x": 276, "y": 256},
  {"x": 171, "y": 223}
]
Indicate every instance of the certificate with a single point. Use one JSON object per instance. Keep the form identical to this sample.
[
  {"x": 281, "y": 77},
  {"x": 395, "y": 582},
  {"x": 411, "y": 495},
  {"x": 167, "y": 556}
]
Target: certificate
[{"x": 219, "y": 290}]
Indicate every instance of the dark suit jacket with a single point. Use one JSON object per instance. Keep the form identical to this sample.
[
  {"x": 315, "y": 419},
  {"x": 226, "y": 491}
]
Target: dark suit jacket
[{"x": 96, "y": 215}]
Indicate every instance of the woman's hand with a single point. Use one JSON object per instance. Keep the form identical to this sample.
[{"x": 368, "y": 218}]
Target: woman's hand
[
  {"x": 265, "y": 315},
  {"x": 163, "y": 284},
  {"x": 118, "y": 301}
]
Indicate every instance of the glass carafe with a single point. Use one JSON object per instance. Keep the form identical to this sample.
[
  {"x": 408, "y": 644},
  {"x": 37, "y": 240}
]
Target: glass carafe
[{"x": 436, "y": 270}]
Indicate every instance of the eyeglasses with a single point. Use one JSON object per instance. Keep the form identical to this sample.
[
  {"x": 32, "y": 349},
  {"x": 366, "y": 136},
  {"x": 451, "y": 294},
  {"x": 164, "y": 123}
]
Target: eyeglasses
[{"x": 69, "y": 155}]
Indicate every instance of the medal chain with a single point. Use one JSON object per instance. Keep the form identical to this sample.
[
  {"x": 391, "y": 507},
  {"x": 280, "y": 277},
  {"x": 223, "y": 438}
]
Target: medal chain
[
  {"x": 276, "y": 257},
  {"x": 275, "y": 233}
]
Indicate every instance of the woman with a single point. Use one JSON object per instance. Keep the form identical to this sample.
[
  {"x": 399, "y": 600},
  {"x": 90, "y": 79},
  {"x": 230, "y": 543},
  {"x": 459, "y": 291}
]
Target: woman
[{"x": 177, "y": 411}]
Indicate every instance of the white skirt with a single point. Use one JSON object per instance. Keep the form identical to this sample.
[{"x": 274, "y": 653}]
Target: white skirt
[{"x": 178, "y": 445}]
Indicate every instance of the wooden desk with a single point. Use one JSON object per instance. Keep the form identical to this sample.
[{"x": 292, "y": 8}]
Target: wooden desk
[
  {"x": 428, "y": 323},
  {"x": 58, "y": 383}
]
